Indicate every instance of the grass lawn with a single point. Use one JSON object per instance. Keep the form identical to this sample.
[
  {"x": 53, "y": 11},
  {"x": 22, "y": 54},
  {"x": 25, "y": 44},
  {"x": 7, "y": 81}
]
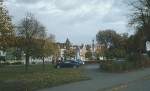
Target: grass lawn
[{"x": 14, "y": 78}]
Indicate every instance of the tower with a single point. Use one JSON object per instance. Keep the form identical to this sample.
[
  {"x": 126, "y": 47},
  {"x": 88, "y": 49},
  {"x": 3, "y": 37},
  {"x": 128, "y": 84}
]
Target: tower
[
  {"x": 93, "y": 49},
  {"x": 78, "y": 52}
]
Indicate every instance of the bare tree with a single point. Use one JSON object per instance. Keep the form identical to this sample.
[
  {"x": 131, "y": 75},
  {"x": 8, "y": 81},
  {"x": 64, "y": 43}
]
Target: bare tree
[
  {"x": 141, "y": 16},
  {"x": 29, "y": 31},
  {"x": 140, "y": 19}
]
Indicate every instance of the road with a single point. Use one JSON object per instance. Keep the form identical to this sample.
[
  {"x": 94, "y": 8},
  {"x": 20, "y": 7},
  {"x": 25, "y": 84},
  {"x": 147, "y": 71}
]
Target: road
[{"x": 101, "y": 81}]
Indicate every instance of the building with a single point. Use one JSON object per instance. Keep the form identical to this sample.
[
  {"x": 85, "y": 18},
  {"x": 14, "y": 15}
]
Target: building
[
  {"x": 83, "y": 51},
  {"x": 148, "y": 46},
  {"x": 80, "y": 50},
  {"x": 62, "y": 48},
  {"x": 2, "y": 55}
]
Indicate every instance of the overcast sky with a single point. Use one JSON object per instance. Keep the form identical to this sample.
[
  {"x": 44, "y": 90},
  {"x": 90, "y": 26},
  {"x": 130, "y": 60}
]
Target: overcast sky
[{"x": 79, "y": 20}]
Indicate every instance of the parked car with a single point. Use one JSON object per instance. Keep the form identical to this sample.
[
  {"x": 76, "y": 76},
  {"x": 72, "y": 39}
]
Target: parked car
[
  {"x": 67, "y": 64},
  {"x": 80, "y": 61}
]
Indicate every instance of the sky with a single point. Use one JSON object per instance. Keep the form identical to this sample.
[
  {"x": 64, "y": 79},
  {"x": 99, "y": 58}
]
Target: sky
[{"x": 78, "y": 20}]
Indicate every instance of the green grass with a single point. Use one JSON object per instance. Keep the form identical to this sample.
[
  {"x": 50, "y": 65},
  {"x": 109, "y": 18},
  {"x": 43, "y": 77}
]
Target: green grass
[{"x": 14, "y": 78}]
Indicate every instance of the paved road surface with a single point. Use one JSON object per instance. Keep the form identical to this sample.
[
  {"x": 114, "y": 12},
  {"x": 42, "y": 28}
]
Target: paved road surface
[{"x": 101, "y": 81}]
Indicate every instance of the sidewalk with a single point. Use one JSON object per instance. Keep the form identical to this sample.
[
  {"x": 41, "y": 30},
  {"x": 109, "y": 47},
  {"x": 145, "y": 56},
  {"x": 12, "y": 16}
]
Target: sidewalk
[
  {"x": 101, "y": 81},
  {"x": 138, "y": 85}
]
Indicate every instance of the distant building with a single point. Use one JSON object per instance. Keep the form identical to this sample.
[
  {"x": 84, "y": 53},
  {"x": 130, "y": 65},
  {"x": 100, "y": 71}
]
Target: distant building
[
  {"x": 99, "y": 47},
  {"x": 62, "y": 51},
  {"x": 148, "y": 46},
  {"x": 83, "y": 51},
  {"x": 2, "y": 55},
  {"x": 80, "y": 50},
  {"x": 78, "y": 53}
]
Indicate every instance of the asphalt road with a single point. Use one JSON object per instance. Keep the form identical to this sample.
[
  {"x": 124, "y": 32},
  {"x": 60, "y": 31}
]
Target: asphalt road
[{"x": 101, "y": 81}]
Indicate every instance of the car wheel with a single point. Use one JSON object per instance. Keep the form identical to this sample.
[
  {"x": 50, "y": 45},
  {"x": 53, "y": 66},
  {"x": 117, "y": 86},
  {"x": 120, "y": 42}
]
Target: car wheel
[
  {"x": 74, "y": 67},
  {"x": 58, "y": 67}
]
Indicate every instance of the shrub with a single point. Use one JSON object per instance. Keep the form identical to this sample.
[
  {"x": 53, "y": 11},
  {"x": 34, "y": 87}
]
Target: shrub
[
  {"x": 134, "y": 61},
  {"x": 16, "y": 63},
  {"x": 91, "y": 62},
  {"x": 140, "y": 60},
  {"x": 5, "y": 63},
  {"x": 117, "y": 66}
]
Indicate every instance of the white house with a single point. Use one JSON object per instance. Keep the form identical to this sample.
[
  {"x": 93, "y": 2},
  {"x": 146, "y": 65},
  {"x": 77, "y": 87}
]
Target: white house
[
  {"x": 83, "y": 52},
  {"x": 2, "y": 53},
  {"x": 62, "y": 51},
  {"x": 148, "y": 46}
]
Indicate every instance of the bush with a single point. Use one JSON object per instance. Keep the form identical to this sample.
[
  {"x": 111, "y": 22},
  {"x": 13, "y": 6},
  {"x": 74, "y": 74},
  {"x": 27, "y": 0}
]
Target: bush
[
  {"x": 91, "y": 62},
  {"x": 8, "y": 63},
  {"x": 134, "y": 61},
  {"x": 5, "y": 63},
  {"x": 117, "y": 66},
  {"x": 140, "y": 60}
]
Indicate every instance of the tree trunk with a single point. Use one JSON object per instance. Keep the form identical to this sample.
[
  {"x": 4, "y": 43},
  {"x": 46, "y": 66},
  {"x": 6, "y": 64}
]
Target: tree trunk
[
  {"x": 43, "y": 59},
  {"x": 26, "y": 62}
]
